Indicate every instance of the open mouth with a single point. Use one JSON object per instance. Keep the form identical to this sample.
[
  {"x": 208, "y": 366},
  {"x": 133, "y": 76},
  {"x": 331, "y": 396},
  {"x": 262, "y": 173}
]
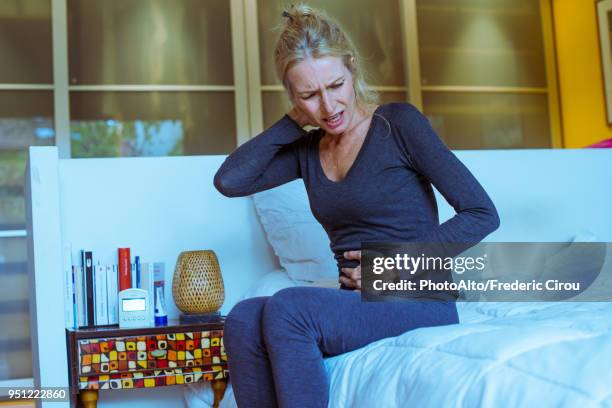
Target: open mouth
[{"x": 334, "y": 120}]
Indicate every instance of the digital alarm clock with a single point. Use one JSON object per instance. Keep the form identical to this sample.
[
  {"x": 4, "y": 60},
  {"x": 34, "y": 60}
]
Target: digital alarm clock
[{"x": 134, "y": 310}]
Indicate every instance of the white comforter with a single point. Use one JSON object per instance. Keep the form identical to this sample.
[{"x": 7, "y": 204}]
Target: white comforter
[{"x": 500, "y": 355}]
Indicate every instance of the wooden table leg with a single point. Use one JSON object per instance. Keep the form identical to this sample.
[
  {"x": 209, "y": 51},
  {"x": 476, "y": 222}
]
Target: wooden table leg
[
  {"x": 218, "y": 387},
  {"x": 89, "y": 398}
]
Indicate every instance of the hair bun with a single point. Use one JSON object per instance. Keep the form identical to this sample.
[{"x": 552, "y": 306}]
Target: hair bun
[{"x": 298, "y": 12}]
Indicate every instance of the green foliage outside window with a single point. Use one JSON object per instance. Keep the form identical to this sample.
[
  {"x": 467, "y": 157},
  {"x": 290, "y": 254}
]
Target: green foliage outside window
[
  {"x": 110, "y": 138},
  {"x": 12, "y": 176}
]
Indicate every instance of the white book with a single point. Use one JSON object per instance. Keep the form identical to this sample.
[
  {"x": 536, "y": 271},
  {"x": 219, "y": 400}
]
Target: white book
[
  {"x": 100, "y": 295},
  {"x": 116, "y": 291},
  {"x": 104, "y": 295},
  {"x": 96, "y": 287},
  {"x": 81, "y": 304},
  {"x": 69, "y": 298},
  {"x": 111, "y": 287},
  {"x": 147, "y": 281},
  {"x": 109, "y": 301}
]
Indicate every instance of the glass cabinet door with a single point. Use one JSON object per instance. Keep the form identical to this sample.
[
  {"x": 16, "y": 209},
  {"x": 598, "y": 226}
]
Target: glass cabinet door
[
  {"x": 25, "y": 42},
  {"x": 151, "y": 78},
  {"x": 483, "y": 72}
]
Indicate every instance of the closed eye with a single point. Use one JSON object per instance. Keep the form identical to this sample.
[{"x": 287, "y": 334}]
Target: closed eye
[{"x": 334, "y": 86}]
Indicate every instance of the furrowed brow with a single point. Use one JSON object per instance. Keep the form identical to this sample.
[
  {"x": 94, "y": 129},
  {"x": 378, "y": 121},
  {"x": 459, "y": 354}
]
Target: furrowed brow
[{"x": 309, "y": 91}]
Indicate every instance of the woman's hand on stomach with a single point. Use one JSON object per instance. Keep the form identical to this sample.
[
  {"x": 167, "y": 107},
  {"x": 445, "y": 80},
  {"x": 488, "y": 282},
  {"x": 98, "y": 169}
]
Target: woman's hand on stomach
[{"x": 352, "y": 276}]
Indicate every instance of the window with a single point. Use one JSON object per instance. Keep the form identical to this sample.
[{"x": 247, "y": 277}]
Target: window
[
  {"x": 484, "y": 77},
  {"x": 150, "y": 78}
]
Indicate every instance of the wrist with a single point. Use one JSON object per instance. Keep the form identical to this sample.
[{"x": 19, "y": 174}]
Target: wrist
[{"x": 294, "y": 118}]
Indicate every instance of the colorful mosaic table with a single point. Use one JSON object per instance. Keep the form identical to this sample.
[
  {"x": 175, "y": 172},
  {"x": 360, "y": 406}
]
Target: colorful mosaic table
[{"x": 109, "y": 358}]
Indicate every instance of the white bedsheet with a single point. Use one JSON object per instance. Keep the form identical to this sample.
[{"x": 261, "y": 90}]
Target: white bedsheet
[{"x": 500, "y": 355}]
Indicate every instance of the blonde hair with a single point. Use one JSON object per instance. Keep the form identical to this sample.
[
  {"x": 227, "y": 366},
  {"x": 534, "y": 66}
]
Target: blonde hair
[{"x": 310, "y": 33}]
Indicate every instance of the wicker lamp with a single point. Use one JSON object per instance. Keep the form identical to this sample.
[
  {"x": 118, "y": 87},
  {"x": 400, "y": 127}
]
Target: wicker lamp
[{"x": 197, "y": 286}]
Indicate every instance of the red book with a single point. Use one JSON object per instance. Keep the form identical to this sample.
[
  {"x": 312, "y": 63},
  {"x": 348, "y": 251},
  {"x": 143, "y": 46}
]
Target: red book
[{"x": 125, "y": 273}]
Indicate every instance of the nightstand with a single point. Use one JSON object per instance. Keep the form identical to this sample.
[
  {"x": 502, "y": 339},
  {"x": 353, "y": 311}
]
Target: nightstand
[{"x": 110, "y": 358}]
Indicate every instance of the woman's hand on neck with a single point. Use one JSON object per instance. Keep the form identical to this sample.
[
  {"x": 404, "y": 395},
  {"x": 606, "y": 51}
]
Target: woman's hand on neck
[{"x": 299, "y": 117}]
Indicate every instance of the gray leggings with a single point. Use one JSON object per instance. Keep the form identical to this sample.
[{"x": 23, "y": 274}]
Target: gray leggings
[{"x": 276, "y": 344}]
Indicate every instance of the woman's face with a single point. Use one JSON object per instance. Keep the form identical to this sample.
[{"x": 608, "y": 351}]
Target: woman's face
[{"x": 323, "y": 89}]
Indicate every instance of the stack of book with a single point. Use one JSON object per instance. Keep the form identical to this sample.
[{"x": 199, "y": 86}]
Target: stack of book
[{"x": 92, "y": 287}]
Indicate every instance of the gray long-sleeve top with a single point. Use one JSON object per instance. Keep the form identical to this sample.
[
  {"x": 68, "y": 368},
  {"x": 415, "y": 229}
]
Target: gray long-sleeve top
[{"x": 386, "y": 195}]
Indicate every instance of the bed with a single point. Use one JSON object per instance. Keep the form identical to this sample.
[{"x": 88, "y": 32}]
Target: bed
[{"x": 501, "y": 354}]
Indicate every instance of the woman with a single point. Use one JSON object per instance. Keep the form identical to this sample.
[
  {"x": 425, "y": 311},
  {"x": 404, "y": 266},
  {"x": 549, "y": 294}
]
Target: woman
[{"x": 368, "y": 172}]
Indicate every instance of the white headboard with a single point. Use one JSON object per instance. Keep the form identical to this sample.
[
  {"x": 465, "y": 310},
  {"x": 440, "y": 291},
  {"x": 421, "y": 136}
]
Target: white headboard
[{"x": 545, "y": 195}]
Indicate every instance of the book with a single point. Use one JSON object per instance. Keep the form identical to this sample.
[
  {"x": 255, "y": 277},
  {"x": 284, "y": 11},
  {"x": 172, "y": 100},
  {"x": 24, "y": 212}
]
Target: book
[
  {"x": 137, "y": 269},
  {"x": 125, "y": 276},
  {"x": 87, "y": 259},
  {"x": 75, "y": 322},
  {"x": 82, "y": 291},
  {"x": 81, "y": 305},
  {"x": 134, "y": 282},
  {"x": 112, "y": 288},
  {"x": 101, "y": 296},
  {"x": 69, "y": 296}
]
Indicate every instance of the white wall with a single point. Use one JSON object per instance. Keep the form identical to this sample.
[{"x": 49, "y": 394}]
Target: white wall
[{"x": 159, "y": 207}]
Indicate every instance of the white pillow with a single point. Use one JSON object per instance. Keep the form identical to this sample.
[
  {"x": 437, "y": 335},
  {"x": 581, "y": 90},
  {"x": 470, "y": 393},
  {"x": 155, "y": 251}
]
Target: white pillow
[
  {"x": 269, "y": 284},
  {"x": 297, "y": 238}
]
